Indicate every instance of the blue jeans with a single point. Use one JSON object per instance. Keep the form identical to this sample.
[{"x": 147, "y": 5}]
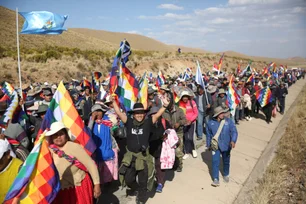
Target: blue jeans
[
  {"x": 216, "y": 163},
  {"x": 202, "y": 119}
]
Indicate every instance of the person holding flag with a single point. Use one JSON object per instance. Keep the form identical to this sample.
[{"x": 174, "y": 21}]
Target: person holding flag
[{"x": 74, "y": 166}]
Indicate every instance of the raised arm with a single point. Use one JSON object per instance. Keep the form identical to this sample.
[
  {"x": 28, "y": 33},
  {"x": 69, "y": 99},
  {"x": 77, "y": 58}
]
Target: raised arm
[
  {"x": 165, "y": 102},
  {"x": 121, "y": 115}
]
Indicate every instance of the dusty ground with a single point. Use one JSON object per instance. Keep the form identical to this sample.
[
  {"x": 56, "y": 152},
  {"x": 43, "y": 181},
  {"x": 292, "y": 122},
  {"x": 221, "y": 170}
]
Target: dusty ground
[{"x": 285, "y": 179}]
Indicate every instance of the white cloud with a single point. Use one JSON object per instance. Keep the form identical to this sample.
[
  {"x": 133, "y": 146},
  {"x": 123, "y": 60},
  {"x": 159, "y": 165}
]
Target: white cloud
[
  {"x": 245, "y": 26},
  {"x": 221, "y": 11},
  {"x": 170, "y": 7},
  {"x": 245, "y": 2},
  {"x": 201, "y": 30},
  {"x": 186, "y": 23},
  {"x": 221, "y": 21},
  {"x": 167, "y": 16},
  {"x": 134, "y": 32}
]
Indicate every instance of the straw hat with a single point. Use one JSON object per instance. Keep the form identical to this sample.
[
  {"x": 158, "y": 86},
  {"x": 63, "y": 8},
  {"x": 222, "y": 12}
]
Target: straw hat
[
  {"x": 218, "y": 110},
  {"x": 57, "y": 126},
  {"x": 211, "y": 89}
]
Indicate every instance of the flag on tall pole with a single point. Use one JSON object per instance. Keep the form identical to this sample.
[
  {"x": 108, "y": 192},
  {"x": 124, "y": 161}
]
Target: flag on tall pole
[
  {"x": 37, "y": 181},
  {"x": 124, "y": 51},
  {"x": 122, "y": 56},
  {"x": 38, "y": 22},
  {"x": 43, "y": 22},
  {"x": 199, "y": 80}
]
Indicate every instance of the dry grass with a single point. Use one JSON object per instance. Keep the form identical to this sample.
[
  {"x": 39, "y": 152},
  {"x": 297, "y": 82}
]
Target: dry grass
[
  {"x": 78, "y": 51},
  {"x": 285, "y": 179}
]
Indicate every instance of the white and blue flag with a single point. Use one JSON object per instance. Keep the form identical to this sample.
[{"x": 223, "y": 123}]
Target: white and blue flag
[{"x": 43, "y": 22}]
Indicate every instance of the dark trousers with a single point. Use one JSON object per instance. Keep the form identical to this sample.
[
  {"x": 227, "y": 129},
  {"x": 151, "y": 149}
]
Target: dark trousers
[
  {"x": 160, "y": 174},
  {"x": 247, "y": 112},
  {"x": 141, "y": 186},
  {"x": 239, "y": 114},
  {"x": 268, "y": 111},
  {"x": 188, "y": 138},
  {"x": 281, "y": 105}
]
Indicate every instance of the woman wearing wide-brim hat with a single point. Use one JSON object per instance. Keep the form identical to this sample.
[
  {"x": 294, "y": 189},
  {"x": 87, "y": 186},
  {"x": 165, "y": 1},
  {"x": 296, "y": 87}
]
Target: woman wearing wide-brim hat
[
  {"x": 74, "y": 166},
  {"x": 226, "y": 138},
  {"x": 190, "y": 109}
]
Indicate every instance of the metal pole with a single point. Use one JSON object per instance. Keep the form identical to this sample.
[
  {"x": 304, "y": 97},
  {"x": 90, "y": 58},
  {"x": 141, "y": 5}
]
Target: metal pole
[{"x": 18, "y": 54}]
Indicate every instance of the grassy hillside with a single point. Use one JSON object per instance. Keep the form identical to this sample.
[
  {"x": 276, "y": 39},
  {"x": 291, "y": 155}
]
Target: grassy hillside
[{"x": 79, "y": 51}]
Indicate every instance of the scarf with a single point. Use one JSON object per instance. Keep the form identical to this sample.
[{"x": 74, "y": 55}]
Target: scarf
[
  {"x": 137, "y": 123},
  {"x": 70, "y": 159}
]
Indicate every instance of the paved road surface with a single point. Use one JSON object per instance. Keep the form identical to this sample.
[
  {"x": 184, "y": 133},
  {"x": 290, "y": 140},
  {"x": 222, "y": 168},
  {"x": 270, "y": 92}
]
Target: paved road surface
[{"x": 192, "y": 186}]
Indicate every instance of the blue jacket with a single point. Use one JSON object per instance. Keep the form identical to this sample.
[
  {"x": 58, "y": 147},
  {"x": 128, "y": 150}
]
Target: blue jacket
[{"x": 228, "y": 134}]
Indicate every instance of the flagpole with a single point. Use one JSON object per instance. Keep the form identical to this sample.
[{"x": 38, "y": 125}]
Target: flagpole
[
  {"x": 18, "y": 55},
  {"x": 203, "y": 81}
]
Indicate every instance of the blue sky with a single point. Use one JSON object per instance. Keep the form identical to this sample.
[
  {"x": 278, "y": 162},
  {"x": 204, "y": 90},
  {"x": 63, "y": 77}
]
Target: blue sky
[{"x": 273, "y": 28}]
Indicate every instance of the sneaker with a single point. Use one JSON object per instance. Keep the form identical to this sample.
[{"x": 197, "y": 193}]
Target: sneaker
[
  {"x": 247, "y": 118},
  {"x": 250, "y": 118},
  {"x": 226, "y": 179},
  {"x": 159, "y": 188},
  {"x": 237, "y": 123},
  {"x": 199, "y": 138},
  {"x": 185, "y": 156},
  {"x": 215, "y": 183},
  {"x": 194, "y": 154}
]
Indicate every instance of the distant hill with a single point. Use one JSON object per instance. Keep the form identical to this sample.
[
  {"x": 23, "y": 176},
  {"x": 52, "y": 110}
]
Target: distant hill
[{"x": 78, "y": 37}]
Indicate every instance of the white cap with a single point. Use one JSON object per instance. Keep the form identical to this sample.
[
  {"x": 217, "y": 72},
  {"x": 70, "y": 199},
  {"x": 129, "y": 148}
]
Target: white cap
[{"x": 4, "y": 147}]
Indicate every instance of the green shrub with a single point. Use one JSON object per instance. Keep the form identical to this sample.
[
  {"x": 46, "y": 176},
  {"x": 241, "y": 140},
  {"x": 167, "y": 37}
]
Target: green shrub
[
  {"x": 38, "y": 58},
  {"x": 53, "y": 54}
]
